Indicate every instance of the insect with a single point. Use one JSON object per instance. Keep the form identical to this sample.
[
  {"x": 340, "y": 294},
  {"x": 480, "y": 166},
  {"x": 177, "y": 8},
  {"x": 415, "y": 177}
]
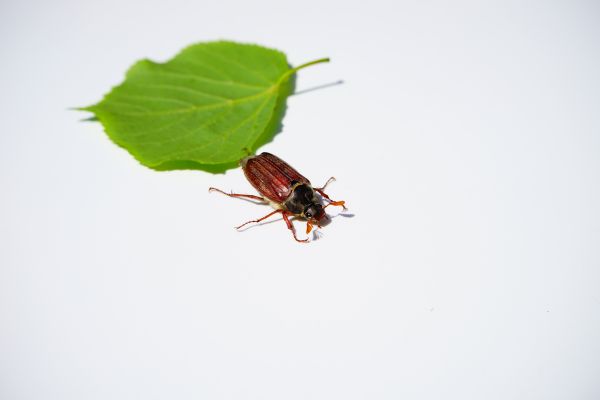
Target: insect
[{"x": 288, "y": 192}]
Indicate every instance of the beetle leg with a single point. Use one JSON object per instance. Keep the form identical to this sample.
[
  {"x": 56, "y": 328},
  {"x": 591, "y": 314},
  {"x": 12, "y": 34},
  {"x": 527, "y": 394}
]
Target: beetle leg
[
  {"x": 326, "y": 197},
  {"x": 291, "y": 227},
  {"x": 326, "y": 183},
  {"x": 331, "y": 202},
  {"x": 322, "y": 193},
  {"x": 248, "y": 196},
  {"x": 337, "y": 203},
  {"x": 260, "y": 219}
]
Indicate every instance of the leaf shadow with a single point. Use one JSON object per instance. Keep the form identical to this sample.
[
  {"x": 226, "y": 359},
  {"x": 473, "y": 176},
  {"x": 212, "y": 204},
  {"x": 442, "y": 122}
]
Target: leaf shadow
[
  {"x": 318, "y": 87},
  {"x": 93, "y": 118}
]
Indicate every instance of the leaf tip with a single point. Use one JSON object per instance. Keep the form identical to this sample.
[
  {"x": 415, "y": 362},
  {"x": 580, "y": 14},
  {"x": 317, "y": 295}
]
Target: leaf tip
[
  {"x": 91, "y": 109},
  {"x": 86, "y": 108}
]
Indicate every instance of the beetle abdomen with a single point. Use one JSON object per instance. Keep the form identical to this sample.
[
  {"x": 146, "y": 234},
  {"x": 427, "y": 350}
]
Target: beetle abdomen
[{"x": 272, "y": 177}]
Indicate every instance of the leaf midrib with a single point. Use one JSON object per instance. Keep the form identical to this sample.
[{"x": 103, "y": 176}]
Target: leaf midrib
[{"x": 268, "y": 91}]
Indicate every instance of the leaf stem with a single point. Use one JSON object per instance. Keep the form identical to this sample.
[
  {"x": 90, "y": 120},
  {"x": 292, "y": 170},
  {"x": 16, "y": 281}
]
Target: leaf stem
[
  {"x": 308, "y": 64},
  {"x": 292, "y": 71}
]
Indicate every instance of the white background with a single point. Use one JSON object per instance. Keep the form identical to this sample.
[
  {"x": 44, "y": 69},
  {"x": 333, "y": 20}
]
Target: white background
[{"x": 465, "y": 139}]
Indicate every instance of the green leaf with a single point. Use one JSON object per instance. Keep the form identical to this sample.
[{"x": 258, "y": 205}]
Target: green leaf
[{"x": 206, "y": 108}]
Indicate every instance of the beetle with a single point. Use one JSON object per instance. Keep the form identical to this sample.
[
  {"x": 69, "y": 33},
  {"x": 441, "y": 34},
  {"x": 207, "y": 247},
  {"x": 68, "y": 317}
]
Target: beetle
[{"x": 286, "y": 190}]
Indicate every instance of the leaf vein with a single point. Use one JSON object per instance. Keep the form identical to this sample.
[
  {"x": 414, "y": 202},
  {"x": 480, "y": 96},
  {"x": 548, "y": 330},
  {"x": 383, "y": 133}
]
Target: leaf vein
[
  {"x": 183, "y": 89},
  {"x": 196, "y": 148},
  {"x": 203, "y": 78}
]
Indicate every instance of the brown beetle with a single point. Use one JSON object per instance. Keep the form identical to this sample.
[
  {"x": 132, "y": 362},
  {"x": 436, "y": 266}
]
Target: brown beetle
[{"x": 288, "y": 192}]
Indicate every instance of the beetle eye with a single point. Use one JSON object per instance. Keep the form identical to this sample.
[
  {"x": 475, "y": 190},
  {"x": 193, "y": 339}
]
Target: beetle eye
[{"x": 313, "y": 211}]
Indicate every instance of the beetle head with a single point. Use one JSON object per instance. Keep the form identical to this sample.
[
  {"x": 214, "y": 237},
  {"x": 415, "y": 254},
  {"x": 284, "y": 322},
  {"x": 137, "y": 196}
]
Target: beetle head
[{"x": 314, "y": 213}]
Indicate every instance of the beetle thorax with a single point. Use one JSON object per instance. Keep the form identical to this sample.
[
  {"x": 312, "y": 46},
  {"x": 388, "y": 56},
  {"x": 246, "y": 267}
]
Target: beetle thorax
[{"x": 302, "y": 196}]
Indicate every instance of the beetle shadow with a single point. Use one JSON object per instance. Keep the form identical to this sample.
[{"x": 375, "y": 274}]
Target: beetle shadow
[
  {"x": 316, "y": 233},
  {"x": 323, "y": 224},
  {"x": 343, "y": 214},
  {"x": 330, "y": 217},
  {"x": 271, "y": 221}
]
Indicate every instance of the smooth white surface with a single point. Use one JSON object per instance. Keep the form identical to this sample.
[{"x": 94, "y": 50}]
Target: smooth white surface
[{"x": 465, "y": 139}]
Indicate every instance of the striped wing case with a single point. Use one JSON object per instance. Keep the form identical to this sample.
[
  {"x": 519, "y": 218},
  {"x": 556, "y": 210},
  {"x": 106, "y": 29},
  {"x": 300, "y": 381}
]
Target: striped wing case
[{"x": 272, "y": 177}]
